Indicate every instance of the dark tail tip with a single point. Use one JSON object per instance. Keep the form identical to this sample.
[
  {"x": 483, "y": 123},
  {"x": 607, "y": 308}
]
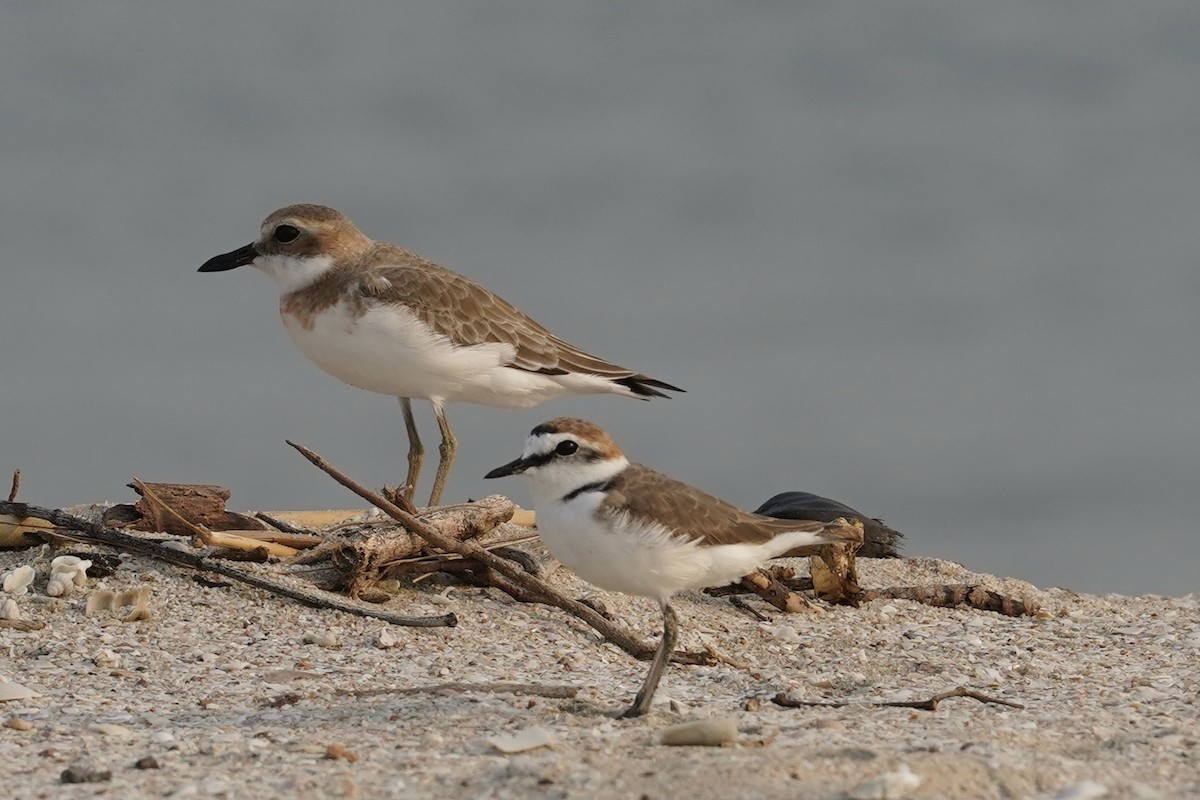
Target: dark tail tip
[{"x": 647, "y": 387}]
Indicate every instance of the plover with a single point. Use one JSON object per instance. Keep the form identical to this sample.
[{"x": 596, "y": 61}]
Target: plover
[
  {"x": 627, "y": 528},
  {"x": 387, "y": 320}
]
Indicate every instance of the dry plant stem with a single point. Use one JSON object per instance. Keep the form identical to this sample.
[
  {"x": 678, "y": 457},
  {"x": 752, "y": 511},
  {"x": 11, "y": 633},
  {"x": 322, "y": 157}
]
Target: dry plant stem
[
  {"x": 782, "y": 699},
  {"x": 553, "y": 691},
  {"x": 98, "y": 534},
  {"x": 16, "y": 485},
  {"x": 514, "y": 574}
]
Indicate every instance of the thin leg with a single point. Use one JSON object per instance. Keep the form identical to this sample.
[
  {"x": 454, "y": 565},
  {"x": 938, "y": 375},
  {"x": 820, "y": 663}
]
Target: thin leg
[
  {"x": 446, "y": 450},
  {"x": 416, "y": 453},
  {"x": 641, "y": 703}
]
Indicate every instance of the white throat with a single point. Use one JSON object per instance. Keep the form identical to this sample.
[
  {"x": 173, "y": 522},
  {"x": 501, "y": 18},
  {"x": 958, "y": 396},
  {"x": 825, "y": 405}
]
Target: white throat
[
  {"x": 554, "y": 481},
  {"x": 292, "y": 274}
]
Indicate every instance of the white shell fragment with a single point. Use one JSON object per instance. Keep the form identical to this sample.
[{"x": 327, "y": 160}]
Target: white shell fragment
[
  {"x": 888, "y": 786},
  {"x": 712, "y": 732},
  {"x": 15, "y": 691},
  {"x": 1086, "y": 790},
  {"x": 9, "y": 609},
  {"x": 16, "y": 581},
  {"x": 386, "y": 639},
  {"x": 528, "y": 739}
]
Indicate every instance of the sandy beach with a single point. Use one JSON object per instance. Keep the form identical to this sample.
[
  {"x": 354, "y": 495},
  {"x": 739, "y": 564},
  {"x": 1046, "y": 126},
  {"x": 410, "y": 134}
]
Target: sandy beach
[{"x": 230, "y": 692}]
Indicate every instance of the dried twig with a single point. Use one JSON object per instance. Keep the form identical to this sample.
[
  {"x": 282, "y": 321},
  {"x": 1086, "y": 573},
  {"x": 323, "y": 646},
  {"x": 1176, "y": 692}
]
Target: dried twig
[
  {"x": 782, "y": 699},
  {"x": 22, "y": 624},
  {"x": 16, "y": 485},
  {"x": 510, "y": 577},
  {"x": 554, "y": 691},
  {"x": 956, "y": 594},
  {"x": 945, "y": 596},
  {"x": 281, "y": 525},
  {"x": 738, "y": 602},
  {"x": 92, "y": 533}
]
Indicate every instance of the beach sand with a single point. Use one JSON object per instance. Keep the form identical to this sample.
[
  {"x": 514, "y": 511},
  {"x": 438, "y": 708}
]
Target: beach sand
[{"x": 232, "y": 692}]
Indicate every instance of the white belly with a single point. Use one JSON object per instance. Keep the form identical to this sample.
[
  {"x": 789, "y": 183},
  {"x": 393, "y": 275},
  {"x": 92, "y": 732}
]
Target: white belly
[
  {"x": 639, "y": 559},
  {"x": 388, "y": 350}
]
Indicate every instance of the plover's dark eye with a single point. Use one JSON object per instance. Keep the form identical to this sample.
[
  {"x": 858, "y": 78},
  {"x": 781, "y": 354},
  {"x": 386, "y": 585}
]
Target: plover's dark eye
[
  {"x": 286, "y": 233},
  {"x": 566, "y": 447}
]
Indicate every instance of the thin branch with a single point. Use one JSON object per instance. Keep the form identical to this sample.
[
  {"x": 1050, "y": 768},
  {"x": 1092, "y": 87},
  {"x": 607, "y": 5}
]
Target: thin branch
[
  {"x": 281, "y": 525},
  {"x": 98, "y": 534},
  {"x": 557, "y": 692},
  {"x": 931, "y": 704},
  {"x": 738, "y": 602},
  {"x": 16, "y": 485}
]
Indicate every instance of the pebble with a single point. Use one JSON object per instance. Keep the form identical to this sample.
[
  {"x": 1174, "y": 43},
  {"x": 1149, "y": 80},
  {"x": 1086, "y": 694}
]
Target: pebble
[
  {"x": 106, "y": 659},
  {"x": 321, "y": 639},
  {"x": 888, "y": 786},
  {"x": 18, "y": 724},
  {"x": 829, "y": 725},
  {"x": 711, "y": 732},
  {"x": 386, "y": 639},
  {"x": 113, "y": 730},
  {"x": 146, "y": 762},
  {"x": 1084, "y": 790},
  {"x": 529, "y": 739},
  {"x": 336, "y": 752},
  {"x": 85, "y": 774}
]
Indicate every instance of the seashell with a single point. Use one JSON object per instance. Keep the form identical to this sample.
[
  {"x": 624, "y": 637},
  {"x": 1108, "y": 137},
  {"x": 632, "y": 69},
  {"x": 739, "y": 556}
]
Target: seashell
[{"x": 17, "y": 581}]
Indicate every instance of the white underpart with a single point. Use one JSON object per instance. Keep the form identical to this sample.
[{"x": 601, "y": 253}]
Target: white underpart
[
  {"x": 627, "y": 554},
  {"x": 291, "y": 274},
  {"x": 390, "y": 351}
]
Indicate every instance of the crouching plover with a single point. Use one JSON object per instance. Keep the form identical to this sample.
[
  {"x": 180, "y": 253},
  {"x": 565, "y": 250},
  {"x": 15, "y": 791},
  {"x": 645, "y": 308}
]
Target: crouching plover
[
  {"x": 628, "y": 528},
  {"x": 386, "y": 320}
]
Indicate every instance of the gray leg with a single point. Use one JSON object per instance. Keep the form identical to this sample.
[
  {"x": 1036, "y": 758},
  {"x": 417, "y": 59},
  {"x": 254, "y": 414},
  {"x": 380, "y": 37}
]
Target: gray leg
[
  {"x": 445, "y": 450},
  {"x": 416, "y": 453},
  {"x": 641, "y": 703}
]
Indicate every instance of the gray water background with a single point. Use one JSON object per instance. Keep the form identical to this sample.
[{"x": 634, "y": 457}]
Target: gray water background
[{"x": 936, "y": 260}]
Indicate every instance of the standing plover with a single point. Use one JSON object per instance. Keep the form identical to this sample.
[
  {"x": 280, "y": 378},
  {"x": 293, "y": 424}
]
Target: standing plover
[
  {"x": 628, "y": 528},
  {"x": 383, "y": 319}
]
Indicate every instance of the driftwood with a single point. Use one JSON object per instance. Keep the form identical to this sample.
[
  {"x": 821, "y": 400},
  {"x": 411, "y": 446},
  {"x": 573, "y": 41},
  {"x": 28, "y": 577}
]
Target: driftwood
[
  {"x": 782, "y": 699},
  {"x": 952, "y": 595},
  {"x": 359, "y": 559},
  {"x": 784, "y": 580},
  {"x": 82, "y": 530},
  {"x": 175, "y": 508},
  {"x": 18, "y": 532}
]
